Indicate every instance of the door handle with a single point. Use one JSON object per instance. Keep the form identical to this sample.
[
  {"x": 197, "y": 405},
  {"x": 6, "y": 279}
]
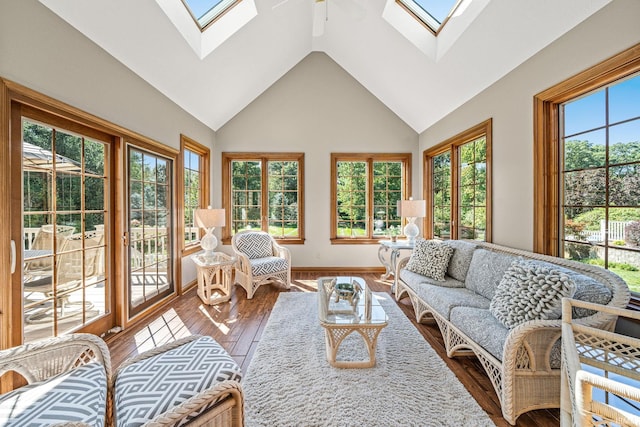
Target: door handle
[{"x": 12, "y": 257}]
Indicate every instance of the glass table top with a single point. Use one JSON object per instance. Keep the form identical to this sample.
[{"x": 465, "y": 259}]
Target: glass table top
[{"x": 347, "y": 300}]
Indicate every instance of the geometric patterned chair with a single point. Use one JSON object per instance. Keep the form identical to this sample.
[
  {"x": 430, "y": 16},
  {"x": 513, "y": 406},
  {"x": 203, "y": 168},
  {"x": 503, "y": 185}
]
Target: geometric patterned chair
[
  {"x": 260, "y": 260},
  {"x": 67, "y": 380},
  {"x": 192, "y": 380}
]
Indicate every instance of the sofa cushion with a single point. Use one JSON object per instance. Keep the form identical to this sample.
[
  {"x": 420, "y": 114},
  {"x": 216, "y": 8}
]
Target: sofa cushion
[
  {"x": 443, "y": 300},
  {"x": 254, "y": 245},
  {"x": 530, "y": 290},
  {"x": 150, "y": 387},
  {"x": 412, "y": 279},
  {"x": 430, "y": 258},
  {"x": 461, "y": 258},
  {"x": 482, "y": 328},
  {"x": 486, "y": 271},
  {"x": 79, "y": 396}
]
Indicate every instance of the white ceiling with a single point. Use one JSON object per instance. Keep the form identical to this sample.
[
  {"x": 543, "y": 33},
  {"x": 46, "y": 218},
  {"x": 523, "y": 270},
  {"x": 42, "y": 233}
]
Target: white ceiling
[{"x": 418, "y": 76}]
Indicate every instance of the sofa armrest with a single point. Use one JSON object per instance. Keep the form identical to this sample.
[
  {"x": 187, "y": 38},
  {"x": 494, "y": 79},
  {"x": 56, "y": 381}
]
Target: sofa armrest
[
  {"x": 46, "y": 358},
  {"x": 528, "y": 345},
  {"x": 402, "y": 263}
]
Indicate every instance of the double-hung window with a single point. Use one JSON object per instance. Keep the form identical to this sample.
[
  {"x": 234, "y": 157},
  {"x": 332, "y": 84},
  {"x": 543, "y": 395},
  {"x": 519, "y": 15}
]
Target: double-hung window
[
  {"x": 365, "y": 190},
  {"x": 264, "y": 191},
  {"x": 458, "y": 186}
]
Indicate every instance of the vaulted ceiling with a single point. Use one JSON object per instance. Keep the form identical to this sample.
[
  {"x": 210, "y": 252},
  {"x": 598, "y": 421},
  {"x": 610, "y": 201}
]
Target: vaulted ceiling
[{"x": 215, "y": 74}]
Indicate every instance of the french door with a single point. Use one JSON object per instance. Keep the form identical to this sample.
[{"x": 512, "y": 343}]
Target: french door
[
  {"x": 149, "y": 237},
  {"x": 61, "y": 175}
]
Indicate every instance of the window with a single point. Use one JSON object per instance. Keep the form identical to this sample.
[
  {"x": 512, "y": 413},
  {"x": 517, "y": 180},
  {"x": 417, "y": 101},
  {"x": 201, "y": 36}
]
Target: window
[
  {"x": 458, "y": 186},
  {"x": 365, "y": 190},
  {"x": 195, "y": 188},
  {"x": 431, "y": 13},
  {"x": 264, "y": 192},
  {"x": 204, "y": 12},
  {"x": 588, "y": 168}
]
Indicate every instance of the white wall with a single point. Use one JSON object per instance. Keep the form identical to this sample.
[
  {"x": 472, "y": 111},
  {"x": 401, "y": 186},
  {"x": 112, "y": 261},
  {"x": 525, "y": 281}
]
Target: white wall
[
  {"x": 510, "y": 103},
  {"x": 317, "y": 108},
  {"x": 44, "y": 53}
]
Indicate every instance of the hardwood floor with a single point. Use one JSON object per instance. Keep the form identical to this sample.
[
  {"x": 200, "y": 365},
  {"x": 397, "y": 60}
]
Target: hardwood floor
[{"x": 238, "y": 325}]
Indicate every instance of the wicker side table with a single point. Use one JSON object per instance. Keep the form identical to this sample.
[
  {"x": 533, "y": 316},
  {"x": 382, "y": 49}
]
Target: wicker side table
[{"x": 214, "y": 277}]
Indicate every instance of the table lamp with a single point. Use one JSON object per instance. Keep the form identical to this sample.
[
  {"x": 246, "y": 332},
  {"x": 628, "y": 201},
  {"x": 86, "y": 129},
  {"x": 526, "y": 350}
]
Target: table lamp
[
  {"x": 209, "y": 219},
  {"x": 411, "y": 209}
]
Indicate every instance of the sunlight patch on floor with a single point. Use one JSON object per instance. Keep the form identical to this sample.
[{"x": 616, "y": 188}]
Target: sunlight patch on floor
[
  {"x": 221, "y": 326},
  {"x": 166, "y": 328},
  {"x": 305, "y": 285}
]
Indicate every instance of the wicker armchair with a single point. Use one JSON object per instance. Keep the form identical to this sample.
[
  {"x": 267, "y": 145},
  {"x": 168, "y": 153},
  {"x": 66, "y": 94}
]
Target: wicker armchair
[
  {"x": 78, "y": 366},
  {"x": 597, "y": 366},
  {"x": 260, "y": 260}
]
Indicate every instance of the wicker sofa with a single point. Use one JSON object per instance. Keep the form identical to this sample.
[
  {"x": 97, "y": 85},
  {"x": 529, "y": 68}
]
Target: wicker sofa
[{"x": 522, "y": 361}]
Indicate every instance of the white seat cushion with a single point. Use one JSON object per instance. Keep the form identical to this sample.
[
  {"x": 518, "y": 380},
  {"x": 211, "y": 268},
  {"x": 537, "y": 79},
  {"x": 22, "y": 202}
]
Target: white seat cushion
[{"x": 79, "y": 395}]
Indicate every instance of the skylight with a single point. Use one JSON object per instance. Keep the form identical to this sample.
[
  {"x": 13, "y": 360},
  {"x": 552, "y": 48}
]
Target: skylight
[
  {"x": 204, "y": 12},
  {"x": 433, "y": 13}
]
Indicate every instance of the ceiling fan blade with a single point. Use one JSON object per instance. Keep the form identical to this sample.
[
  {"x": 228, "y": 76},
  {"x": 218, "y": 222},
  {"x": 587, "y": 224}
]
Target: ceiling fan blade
[{"x": 319, "y": 17}]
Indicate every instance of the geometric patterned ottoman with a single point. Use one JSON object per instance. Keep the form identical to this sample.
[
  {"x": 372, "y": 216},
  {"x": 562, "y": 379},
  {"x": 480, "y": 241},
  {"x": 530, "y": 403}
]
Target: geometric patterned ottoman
[
  {"x": 189, "y": 380},
  {"x": 76, "y": 396}
]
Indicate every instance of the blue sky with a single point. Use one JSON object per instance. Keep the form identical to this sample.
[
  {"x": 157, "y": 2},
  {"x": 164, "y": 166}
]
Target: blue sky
[
  {"x": 200, "y": 7},
  {"x": 590, "y": 112},
  {"x": 439, "y": 9}
]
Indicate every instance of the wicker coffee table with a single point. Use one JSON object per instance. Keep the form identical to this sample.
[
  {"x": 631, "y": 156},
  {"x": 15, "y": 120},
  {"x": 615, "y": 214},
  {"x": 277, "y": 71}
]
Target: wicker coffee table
[{"x": 346, "y": 305}]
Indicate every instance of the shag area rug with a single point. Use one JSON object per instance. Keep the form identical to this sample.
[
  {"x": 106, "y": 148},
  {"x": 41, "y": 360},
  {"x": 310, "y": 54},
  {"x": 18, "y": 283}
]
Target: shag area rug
[{"x": 290, "y": 383}]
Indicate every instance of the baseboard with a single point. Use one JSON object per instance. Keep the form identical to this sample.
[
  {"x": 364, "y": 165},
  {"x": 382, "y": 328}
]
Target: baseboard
[{"x": 378, "y": 270}]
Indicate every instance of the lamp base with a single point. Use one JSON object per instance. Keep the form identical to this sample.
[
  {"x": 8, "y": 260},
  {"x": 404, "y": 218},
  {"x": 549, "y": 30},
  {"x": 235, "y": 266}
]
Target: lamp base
[
  {"x": 411, "y": 230},
  {"x": 209, "y": 242}
]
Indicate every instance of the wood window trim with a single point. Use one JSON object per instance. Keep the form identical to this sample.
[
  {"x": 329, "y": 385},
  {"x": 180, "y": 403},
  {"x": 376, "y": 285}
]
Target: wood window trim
[
  {"x": 42, "y": 108},
  {"x": 451, "y": 145},
  {"x": 204, "y": 152},
  {"x": 369, "y": 159},
  {"x": 228, "y": 157},
  {"x": 546, "y": 140},
  {"x": 546, "y": 143},
  {"x": 424, "y": 24}
]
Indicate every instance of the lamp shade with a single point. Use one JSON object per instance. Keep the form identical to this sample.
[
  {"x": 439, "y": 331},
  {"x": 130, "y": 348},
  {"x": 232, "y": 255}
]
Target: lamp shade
[
  {"x": 208, "y": 218},
  {"x": 412, "y": 208}
]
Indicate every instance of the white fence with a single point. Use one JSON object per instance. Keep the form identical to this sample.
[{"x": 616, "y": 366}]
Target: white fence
[{"x": 616, "y": 231}]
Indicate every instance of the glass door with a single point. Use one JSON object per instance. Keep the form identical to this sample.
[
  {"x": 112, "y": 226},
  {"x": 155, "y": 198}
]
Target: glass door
[
  {"x": 66, "y": 285},
  {"x": 149, "y": 236}
]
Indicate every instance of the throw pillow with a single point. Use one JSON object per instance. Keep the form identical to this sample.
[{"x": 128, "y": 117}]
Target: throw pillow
[
  {"x": 430, "y": 259},
  {"x": 530, "y": 290}
]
